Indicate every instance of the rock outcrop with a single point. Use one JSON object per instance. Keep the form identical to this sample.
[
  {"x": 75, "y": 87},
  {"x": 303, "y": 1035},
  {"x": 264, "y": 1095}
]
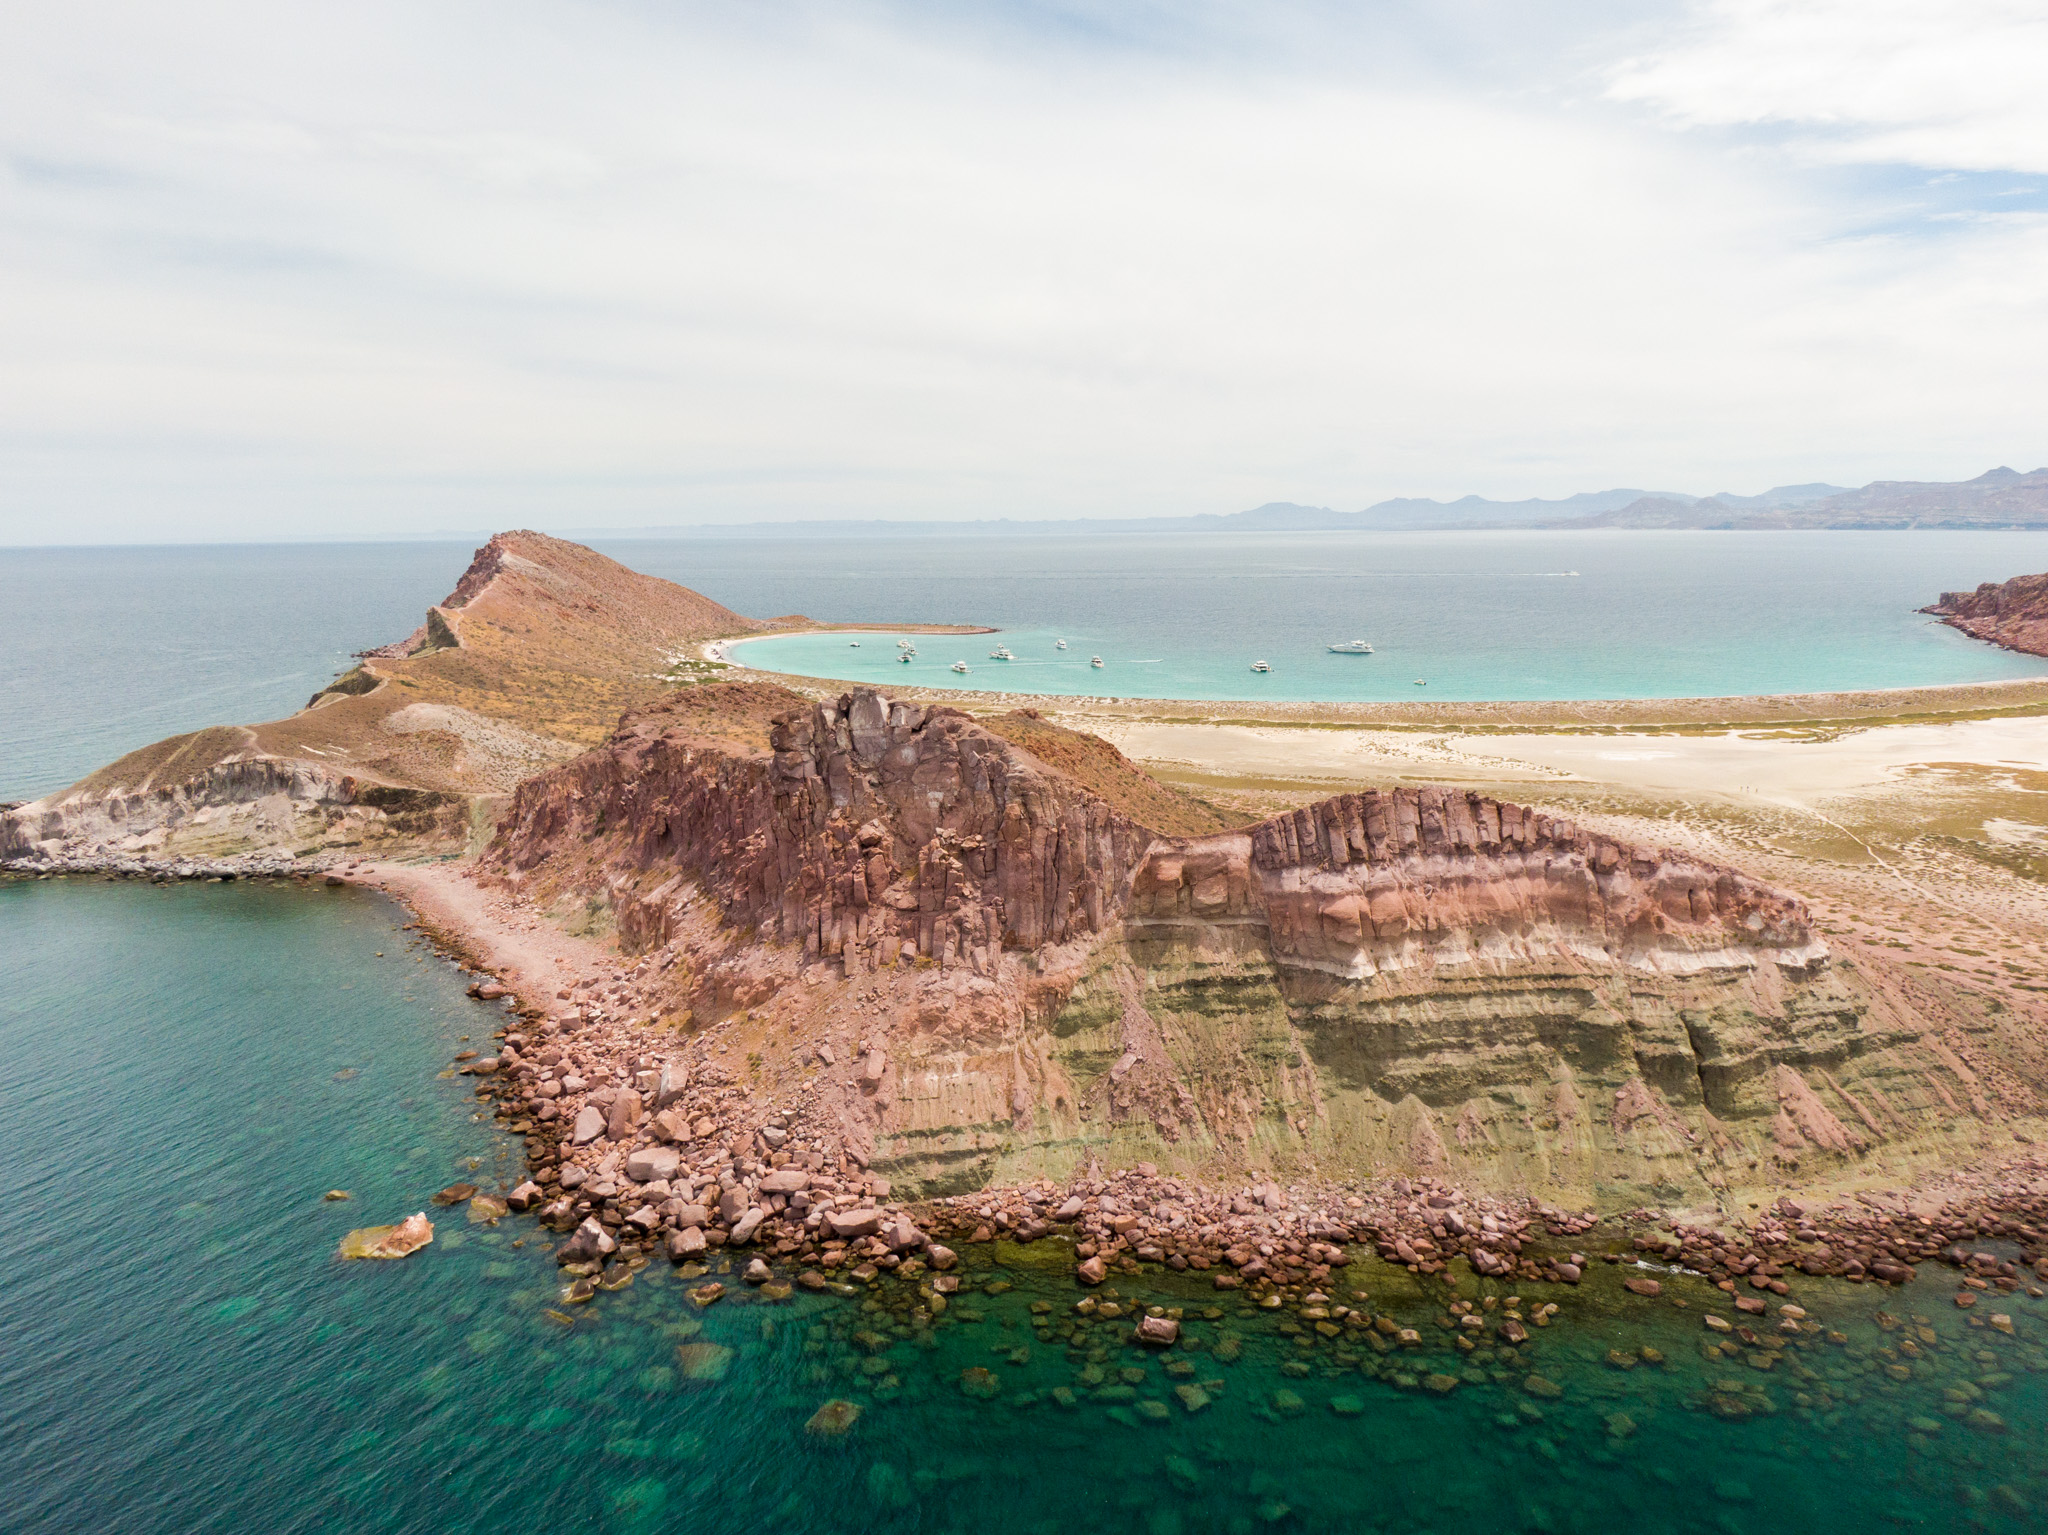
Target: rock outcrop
[
  {"x": 997, "y": 973},
  {"x": 529, "y": 660},
  {"x": 2012, "y": 614}
]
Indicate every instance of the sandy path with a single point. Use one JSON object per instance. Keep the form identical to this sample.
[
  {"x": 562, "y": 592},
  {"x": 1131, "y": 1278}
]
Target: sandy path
[
  {"x": 1736, "y": 765},
  {"x": 521, "y": 948}
]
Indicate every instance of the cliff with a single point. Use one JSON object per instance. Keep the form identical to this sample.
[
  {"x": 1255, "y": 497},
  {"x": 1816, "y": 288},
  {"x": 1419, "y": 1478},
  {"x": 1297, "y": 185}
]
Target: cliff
[
  {"x": 529, "y": 660},
  {"x": 2012, "y": 613},
  {"x": 1009, "y": 974}
]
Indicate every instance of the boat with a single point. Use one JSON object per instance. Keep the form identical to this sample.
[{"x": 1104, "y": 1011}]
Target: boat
[
  {"x": 1420, "y": 683},
  {"x": 905, "y": 658},
  {"x": 1351, "y": 648},
  {"x": 1095, "y": 660},
  {"x": 1262, "y": 666},
  {"x": 959, "y": 666},
  {"x": 853, "y": 644},
  {"x": 1001, "y": 653},
  {"x": 1059, "y": 644},
  {"x": 905, "y": 645}
]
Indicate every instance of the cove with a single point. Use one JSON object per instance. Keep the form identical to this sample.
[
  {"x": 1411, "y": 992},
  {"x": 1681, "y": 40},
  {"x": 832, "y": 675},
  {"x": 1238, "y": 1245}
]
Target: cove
[{"x": 185, "y": 1069}]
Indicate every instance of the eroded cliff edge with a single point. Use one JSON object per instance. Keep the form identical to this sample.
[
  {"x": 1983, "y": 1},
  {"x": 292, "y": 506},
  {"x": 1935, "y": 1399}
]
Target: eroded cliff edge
[
  {"x": 2010, "y": 614},
  {"x": 986, "y": 969}
]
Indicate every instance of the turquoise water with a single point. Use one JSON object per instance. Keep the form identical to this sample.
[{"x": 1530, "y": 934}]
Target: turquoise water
[
  {"x": 184, "y": 1070},
  {"x": 106, "y": 650},
  {"x": 1475, "y": 616}
]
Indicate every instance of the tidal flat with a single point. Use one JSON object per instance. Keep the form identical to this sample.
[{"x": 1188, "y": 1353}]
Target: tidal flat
[{"x": 187, "y": 1353}]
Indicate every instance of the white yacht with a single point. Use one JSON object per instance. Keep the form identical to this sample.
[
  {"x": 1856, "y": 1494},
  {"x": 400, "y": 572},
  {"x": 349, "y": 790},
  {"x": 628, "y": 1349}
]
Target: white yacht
[
  {"x": 959, "y": 666},
  {"x": 905, "y": 645},
  {"x": 906, "y": 657},
  {"x": 1059, "y": 644},
  {"x": 1095, "y": 660},
  {"x": 853, "y": 644},
  {"x": 1351, "y": 648},
  {"x": 1001, "y": 653},
  {"x": 1262, "y": 666},
  {"x": 1420, "y": 683}
]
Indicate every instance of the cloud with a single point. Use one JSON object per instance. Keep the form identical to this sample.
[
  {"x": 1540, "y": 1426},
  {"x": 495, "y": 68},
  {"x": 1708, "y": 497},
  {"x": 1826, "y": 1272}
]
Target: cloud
[
  {"x": 1940, "y": 83},
  {"x": 380, "y": 267}
]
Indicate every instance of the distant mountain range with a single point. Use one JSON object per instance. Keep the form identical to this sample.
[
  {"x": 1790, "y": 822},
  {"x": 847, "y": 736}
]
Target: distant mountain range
[{"x": 2000, "y": 498}]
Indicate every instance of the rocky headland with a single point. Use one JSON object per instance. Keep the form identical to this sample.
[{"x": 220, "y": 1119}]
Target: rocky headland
[
  {"x": 842, "y": 977},
  {"x": 2012, "y": 614}
]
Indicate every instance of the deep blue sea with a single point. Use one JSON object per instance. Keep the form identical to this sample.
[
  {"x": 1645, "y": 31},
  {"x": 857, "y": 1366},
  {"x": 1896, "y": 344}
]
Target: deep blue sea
[
  {"x": 105, "y": 650},
  {"x": 185, "y": 1070}
]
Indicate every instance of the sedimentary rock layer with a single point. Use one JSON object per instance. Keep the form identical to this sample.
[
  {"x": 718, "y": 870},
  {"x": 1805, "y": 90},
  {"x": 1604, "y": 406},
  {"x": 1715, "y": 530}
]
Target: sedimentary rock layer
[{"x": 1010, "y": 975}]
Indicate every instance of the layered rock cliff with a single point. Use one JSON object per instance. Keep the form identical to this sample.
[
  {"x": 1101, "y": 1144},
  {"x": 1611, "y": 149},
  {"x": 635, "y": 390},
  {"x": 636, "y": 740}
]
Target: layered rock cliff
[
  {"x": 2013, "y": 614},
  {"x": 1010, "y": 974}
]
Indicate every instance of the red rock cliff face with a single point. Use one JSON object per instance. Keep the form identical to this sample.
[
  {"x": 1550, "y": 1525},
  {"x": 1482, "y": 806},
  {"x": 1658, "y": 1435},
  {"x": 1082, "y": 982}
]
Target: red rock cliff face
[
  {"x": 2012, "y": 613},
  {"x": 876, "y": 831},
  {"x": 1374, "y": 882}
]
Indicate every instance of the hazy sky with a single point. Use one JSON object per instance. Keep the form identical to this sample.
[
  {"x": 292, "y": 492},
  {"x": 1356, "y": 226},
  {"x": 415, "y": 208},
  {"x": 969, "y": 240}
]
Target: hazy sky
[{"x": 284, "y": 270}]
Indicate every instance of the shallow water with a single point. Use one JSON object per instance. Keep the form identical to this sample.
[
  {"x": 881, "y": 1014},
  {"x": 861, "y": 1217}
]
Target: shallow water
[
  {"x": 1473, "y": 615},
  {"x": 106, "y": 650},
  {"x": 184, "y": 1070}
]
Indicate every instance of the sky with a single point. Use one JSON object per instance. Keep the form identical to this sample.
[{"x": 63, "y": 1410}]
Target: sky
[{"x": 379, "y": 269}]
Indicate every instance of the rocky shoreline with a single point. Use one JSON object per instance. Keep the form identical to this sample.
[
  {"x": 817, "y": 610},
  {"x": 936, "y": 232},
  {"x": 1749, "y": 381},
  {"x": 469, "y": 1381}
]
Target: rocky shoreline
[{"x": 638, "y": 1149}]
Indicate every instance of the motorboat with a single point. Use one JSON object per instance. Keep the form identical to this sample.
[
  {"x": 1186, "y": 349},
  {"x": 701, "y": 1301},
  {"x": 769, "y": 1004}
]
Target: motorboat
[
  {"x": 1351, "y": 648},
  {"x": 1262, "y": 666},
  {"x": 1001, "y": 653},
  {"x": 1420, "y": 683},
  {"x": 905, "y": 645},
  {"x": 959, "y": 666},
  {"x": 1095, "y": 660},
  {"x": 907, "y": 656},
  {"x": 1059, "y": 644},
  {"x": 853, "y": 644}
]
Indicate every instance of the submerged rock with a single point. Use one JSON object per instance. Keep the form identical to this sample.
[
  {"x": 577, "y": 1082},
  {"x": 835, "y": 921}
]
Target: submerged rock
[
  {"x": 402, "y": 1240},
  {"x": 833, "y": 1418}
]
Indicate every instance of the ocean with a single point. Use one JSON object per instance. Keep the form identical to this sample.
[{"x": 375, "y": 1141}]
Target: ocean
[
  {"x": 185, "y": 1070},
  {"x": 105, "y": 650}
]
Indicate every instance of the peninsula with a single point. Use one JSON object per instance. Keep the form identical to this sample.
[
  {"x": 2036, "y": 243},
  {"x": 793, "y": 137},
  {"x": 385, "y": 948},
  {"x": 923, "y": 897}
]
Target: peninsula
[{"x": 778, "y": 957}]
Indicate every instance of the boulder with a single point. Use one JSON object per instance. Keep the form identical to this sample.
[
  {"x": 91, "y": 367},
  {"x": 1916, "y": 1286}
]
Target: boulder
[
  {"x": 744, "y": 1228},
  {"x": 864, "y": 1222},
  {"x": 670, "y": 1083},
  {"x": 690, "y": 1215},
  {"x": 940, "y": 1258},
  {"x": 590, "y": 1242},
  {"x": 670, "y": 1125},
  {"x": 758, "y": 1272},
  {"x": 903, "y": 1237},
  {"x": 399, "y": 1241},
  {"x": 1646, "y": 1287},
  {"x": 686, "y": 1244},
  {"x": 1070, "y": 1210},
  {"x": 1092, "y": 1271},
  {"x": 625, "y": 1115},
  {"x": 589, "y": 1125},
  {"x": 644, "y": 1219},
  {"x": 785, "y": 1180},
  {"x": 652, "y": 1163},
  {"x": 1157, "y": 1331}
]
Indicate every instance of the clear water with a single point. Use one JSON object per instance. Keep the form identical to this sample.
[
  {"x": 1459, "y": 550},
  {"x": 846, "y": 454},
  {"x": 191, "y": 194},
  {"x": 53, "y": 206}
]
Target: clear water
[
  {"x": 184, "y": 1071},
  {"x": 1473, "y": 616},
  {"x": 106, "y": 650}
]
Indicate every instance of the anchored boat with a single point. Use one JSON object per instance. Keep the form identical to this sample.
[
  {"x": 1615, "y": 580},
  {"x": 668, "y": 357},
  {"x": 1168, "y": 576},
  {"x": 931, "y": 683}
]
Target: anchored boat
[
  {"x": 1352, "y": 648},
  {"x": 1261, "y": 666},
  {"x": 1095, "y": 660},
  {"x": 959, "y": 666}
]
